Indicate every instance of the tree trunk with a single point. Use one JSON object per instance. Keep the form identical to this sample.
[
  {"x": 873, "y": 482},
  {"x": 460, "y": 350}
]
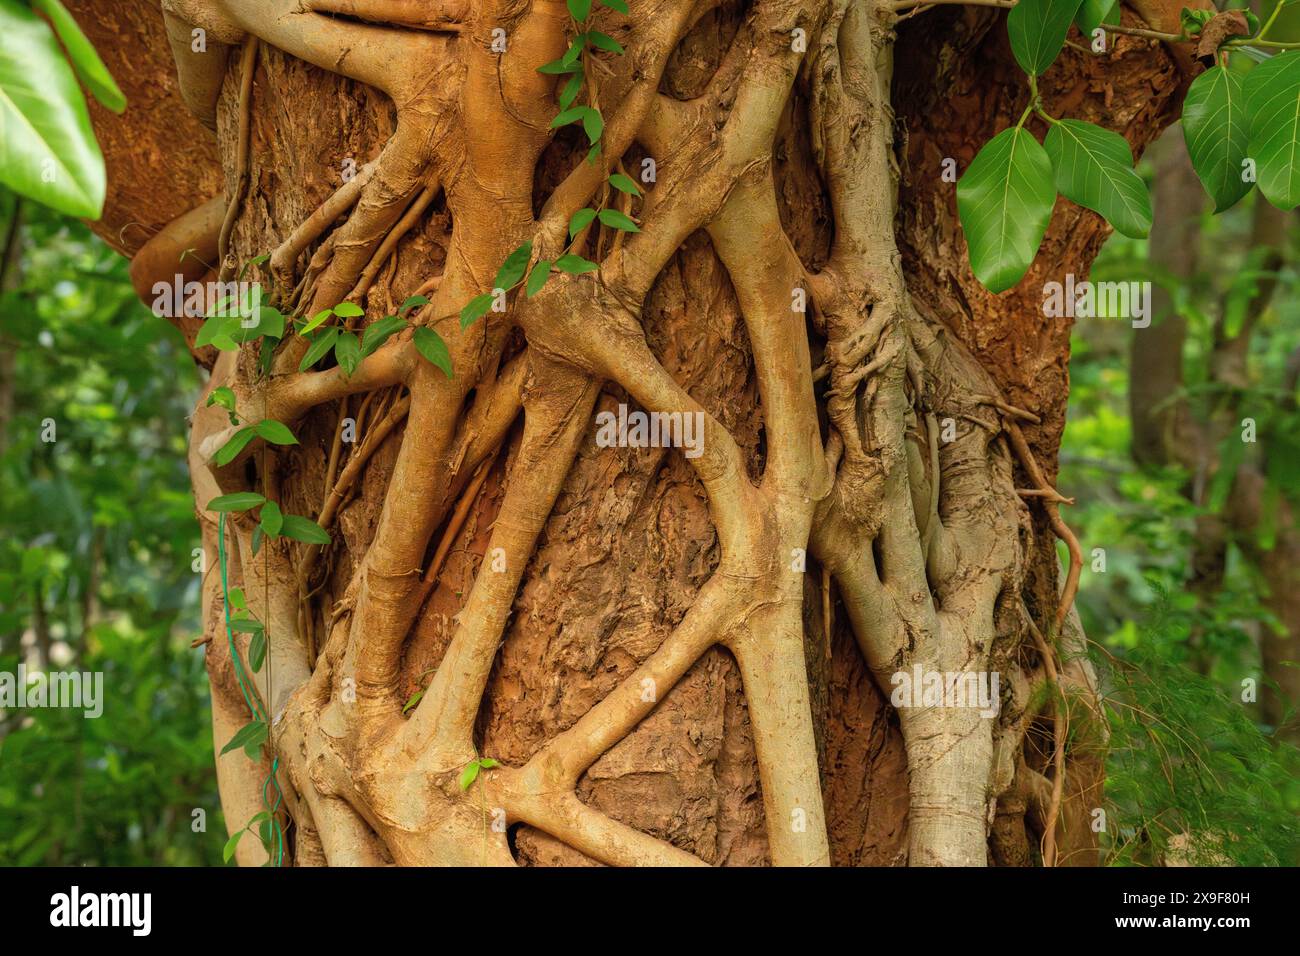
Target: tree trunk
[{"x": 673, "y": 659}]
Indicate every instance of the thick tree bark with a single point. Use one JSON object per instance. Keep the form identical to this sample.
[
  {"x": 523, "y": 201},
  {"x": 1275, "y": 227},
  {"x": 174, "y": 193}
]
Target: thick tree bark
[{"x": 638, "y": 638}]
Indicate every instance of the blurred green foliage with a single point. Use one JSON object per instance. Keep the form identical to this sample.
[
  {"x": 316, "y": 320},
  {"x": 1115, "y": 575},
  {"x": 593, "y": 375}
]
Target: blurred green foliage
[
  {"x": 1187, "y": 755},
  {"x": 98, "y": 527}
]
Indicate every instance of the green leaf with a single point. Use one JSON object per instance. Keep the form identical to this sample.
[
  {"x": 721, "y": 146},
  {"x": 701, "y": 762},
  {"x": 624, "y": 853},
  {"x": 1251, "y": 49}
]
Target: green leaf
[
  {"x": 560, "y": 66},
  {"x": 1037, "y": 29},
  {"x": 537, "y": 278},
  {"x": 84, "y": 59},
  {"x": 377, "y": 333},
  {"x": 257, "y": 649},
  {"x": 347, "y": 350},
  {"x": 512, "y": 270},
  {"x": 571, "y": 89},
  {"x": 215, "y": 328},
  {"x": 245, "y": 625},
  {"x": 304, "y": 529},
  {"x": 238, "y": 442},
  {"x": 47, "y": 147},
  {"x": 224, "y": 396},
  {"x": 228, "y": 851},
  {"x": 1217, "y": 133},
  {"x": 1004, "y": 201},
  {"x": 580, "y": 9},
  {"x": 255, "y": 261},
  {"x": 236, "y": 501},
  {"x": 316, "y": 321},
  {"x": 430, "y": 344},
  {"x": 277, "y": 433},
  {"x": 569, "y": 116},
  {"x": 320, "y": 346},
  {"x": 1094, "y": 168},
  {"x": 253, "y": 732},
  {"x": 617, "y": 220},
  {"x": 469, "y": 775},
  {"x": 580, "y": 220},
  {"x": 487, "y": 763},
  {"x": 475, "y": 308},
  {"x": 593, "y": 124},
  {"x": 604, "y": 42},
  {"x": 572, "y": 54},
  {"x": 619, "y": 5},
  {"x": 412, "y": 302},
  {"x": 1092, "y": 14},
  {"x": 625, "y": 184},
  {"x": 575, "y": 265},
  {"x": 270, "y": 322},
  {"x": 348, "y": 310},
  {"x": 1273, "y": 106},
  {"x": 236, "y": 598},
  {"x": 271, "y": 519},
  {"x": 413, "y": 700}
]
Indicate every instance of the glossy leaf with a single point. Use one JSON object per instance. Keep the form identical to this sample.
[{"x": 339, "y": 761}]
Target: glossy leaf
[
  {"x": 1037, "y": 29},
  {"x": 537, "y": 278},
  {"x": 1004, "y": 201},
  {"x": 47, "y": 147},
  {"x": 303, "y": 529},
  {"x": 1273, "y": 106},
  {"x": 1217, "y": 133},
  {"x": 430, "y": 344},
  {"x": 1094, "y": 168},
  {"x": 617, "y": 220},
  {"x": 377, "y": 333},
  {"x": 90, "y": 68},
  {"x": 271, "y": 519},
  {"x": 575, "y": 265},
  {"x": 319, "y": 348},
  {"x": 237, "y": 443},
  {"x": 236, "y": 501}
]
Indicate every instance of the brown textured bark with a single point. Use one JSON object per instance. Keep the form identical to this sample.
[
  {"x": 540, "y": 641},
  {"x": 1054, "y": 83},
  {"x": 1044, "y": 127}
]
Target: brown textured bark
[{"x": 628, "y": 547}]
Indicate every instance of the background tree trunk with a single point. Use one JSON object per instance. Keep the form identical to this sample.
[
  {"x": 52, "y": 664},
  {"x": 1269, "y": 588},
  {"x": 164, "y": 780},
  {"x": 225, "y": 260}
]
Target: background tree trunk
[{"x": 629, "y": 542}]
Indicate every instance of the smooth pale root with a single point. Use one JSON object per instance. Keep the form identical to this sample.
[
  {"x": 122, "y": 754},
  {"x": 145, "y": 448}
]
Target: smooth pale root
[
  {"x": 1094, "y": 168},
  {"x": 1037, "y": 30},
  {"x": 1273, "y": 106},
  {"x": 1004, "y": 201},
  {"x": 1217, "y": 134},
  {"x": 47, "y": 149}
]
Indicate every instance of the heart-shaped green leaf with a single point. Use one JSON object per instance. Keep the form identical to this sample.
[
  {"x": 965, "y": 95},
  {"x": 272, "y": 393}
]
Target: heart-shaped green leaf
[
  {"x": 271, "y": 519},
  {"x": 430, "y": 344},
  {"x": 347, "y": 351},
  {"x": 321, "y": 343},
  {"x": 1094, "y": 168},
  {"x": 47, "y": 147},
  {"x": 1273, "y": 106},
  {"x": 512, "y": 270},
  {"x": 277, "y": 433},
  {"x": 85, "y": 60},
  {"x": 537, "y": 278},
  {"x": 1093, "y": 13},
  {"x": 1218, "y": 134},
  {"x": 237, "y": 501},
  {"x": 1004, "y": 201},
  {"x": 1037, "y": 29},
  {"x": 303, "y": 529},
  {"x": 377, "y": 333},
  {"x": 231, "y": 449}
]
